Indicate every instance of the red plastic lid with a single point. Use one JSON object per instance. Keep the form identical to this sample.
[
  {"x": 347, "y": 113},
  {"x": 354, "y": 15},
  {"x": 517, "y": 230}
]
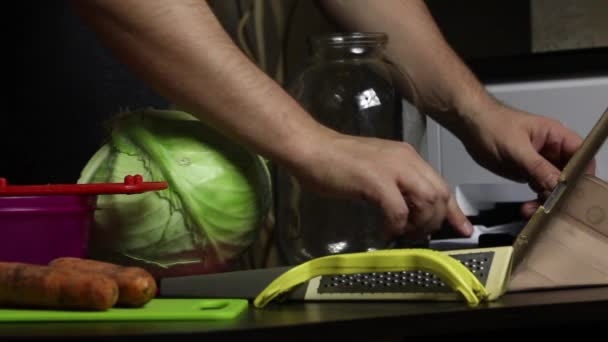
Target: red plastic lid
[{"x": 132, "y": 185}]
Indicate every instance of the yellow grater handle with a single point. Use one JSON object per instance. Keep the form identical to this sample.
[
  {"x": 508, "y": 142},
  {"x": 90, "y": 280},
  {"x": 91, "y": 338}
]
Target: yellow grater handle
[{"x": 450, "y": 270}]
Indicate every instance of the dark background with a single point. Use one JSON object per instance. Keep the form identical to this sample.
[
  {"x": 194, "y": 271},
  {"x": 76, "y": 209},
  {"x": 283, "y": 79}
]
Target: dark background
[
  {"x": 61, "y": 88},
  {"x": 61, "y": 85},
  {"x": 482, "y": 29}
]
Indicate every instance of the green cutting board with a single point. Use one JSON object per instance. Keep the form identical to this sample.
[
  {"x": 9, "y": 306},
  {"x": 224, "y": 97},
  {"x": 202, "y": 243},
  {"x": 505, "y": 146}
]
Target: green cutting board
[{"x": 158, "y": 309}]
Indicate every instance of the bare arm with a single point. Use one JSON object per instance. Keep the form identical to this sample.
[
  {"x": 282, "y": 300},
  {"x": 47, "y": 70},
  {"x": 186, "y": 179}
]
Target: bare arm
[
  {"x": 512, "y": 143},
  {"x": 434, "y": 75},
  {"x": 179, "y": 48}
]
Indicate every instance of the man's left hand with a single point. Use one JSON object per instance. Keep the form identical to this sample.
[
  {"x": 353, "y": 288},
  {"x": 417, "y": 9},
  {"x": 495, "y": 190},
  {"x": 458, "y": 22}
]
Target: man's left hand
[{"x": 523, "y": 147}]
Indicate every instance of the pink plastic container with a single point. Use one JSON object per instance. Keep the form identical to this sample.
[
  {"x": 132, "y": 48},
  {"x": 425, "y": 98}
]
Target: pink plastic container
[{"x": 39, "y": 223}]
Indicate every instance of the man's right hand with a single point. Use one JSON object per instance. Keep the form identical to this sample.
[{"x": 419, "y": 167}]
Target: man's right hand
[{"x": 414, "y": 198}]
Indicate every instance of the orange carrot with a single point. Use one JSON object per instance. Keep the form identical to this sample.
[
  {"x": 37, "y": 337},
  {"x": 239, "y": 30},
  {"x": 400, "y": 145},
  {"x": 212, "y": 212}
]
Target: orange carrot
[
  {"x": 136, "y": 286},
  {"x": 36, "y": 286}
]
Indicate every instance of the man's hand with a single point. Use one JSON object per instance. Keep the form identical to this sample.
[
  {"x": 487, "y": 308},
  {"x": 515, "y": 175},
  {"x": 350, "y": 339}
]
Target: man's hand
[
  {"x": 414, "y": 198},
  {"x": 522, "y": 147},
  {"x": 511, "y": 143}
]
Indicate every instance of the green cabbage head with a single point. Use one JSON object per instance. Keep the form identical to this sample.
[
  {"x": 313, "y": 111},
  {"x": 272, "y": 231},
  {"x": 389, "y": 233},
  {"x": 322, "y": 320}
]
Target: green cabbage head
[{"x": 219, "y": 193}]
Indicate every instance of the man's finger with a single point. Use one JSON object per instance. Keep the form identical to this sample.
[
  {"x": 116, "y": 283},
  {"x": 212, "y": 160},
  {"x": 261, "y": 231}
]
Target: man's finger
[
  {"x": 457, "y": 219},
  {"x": 395, "y": 210},
  {"x": 529, "y": 208},
  {"x": 541, "y": 172}
]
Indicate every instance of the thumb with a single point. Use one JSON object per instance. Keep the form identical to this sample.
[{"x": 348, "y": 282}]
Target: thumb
[{"x": 542, "y": 175}]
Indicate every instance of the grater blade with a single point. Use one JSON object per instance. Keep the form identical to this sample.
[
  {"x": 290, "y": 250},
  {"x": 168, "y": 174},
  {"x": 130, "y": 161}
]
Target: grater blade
[
  {"x": 404, "y": 281},
  {"x": 491, "y": 266}
]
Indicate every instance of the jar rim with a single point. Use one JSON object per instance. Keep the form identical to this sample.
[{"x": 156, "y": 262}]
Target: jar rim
[{"x": 350, "y": 38}]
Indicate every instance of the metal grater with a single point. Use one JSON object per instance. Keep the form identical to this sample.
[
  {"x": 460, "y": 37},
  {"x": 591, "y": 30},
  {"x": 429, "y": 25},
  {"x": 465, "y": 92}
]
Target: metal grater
[
  {"x": 404, "y": 281},
  {"x": 490, "y": 265}
]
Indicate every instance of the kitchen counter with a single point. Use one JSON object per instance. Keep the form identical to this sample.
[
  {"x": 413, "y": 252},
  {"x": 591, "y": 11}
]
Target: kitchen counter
[{"x": 580, "y": 312}]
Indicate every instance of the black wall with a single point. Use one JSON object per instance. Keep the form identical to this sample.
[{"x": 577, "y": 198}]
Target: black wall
[
  {"x": 60, "y": 86},
  {"x": 482, "y": 29}
]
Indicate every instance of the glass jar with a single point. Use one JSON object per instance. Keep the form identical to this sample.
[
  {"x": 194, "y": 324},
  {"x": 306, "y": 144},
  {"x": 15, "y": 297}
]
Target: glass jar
[{"x": 349, "y": 87}]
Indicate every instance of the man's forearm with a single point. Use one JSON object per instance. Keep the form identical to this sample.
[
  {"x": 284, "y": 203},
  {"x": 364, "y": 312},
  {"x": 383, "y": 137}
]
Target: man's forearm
[
  {"x": 180, "y": 49},
  {"x": 442, "y": 85}
]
